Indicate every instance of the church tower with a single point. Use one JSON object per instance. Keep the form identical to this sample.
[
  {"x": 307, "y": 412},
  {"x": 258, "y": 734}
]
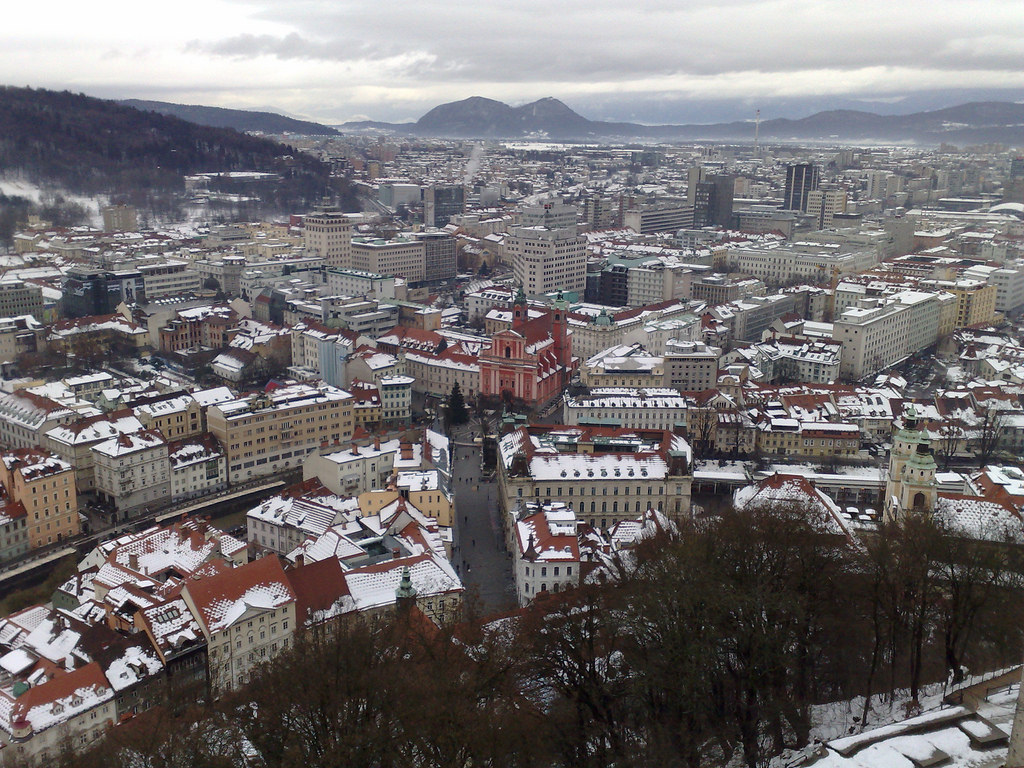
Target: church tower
[
  {"x": 520, "y": 310},
  {"x": 911, "y": 485}
]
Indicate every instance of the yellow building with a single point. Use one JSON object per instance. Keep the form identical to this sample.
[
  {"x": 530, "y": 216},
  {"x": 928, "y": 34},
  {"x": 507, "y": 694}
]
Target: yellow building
[
  {"x": 175, "y": 417},
  {"x": 269, "y": 432},
  {"x": 45, "y": 485}
]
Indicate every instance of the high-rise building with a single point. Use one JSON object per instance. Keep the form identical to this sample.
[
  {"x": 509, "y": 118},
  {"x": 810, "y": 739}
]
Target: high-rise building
[
  {"x": 694, "y": 176},
  {"x": 824, "y": 204},
  {"x": 801, "y": 179},
  {"x": 712, "y": 206},
  {"x": 548, "y": 257},
  {"x": 441, "y": 202},
  {"x": 439, "y": 254},
  {"x": 120, "y": 218},
  {"x": 328, "y": 234}
]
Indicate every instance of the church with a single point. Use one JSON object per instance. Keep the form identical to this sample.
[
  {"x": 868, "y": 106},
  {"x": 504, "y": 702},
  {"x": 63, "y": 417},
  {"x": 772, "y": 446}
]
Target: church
[
  {"x": 980, "y": 509},
  {"x": 532, "y": 360},
  {"x": 911, "y": 488}
]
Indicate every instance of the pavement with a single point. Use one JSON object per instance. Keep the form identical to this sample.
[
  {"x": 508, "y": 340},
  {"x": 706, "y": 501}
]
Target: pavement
[{"x": 479, "y": 555}]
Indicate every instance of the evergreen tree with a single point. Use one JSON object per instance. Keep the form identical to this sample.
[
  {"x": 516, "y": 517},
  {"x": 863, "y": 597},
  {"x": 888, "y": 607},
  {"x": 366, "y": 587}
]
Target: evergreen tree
[{"x": 457, "y": 412}]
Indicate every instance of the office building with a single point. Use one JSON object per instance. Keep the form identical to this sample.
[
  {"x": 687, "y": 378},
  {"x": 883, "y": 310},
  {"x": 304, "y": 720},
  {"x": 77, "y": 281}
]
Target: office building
[
  {"x": 441, "y": 202},
  {"x": 328, "y": 234},
  {"x": 801, "y": 180}
]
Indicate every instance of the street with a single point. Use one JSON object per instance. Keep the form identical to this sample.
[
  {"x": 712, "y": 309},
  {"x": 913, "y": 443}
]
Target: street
[{"x": 479, "y": 555}]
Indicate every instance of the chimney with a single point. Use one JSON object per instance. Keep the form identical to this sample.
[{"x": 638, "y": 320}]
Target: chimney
[
  {"x": 133, "y": 561},
  {"x": 376, "y": 443},
  {"x": 355, "y": 449},
  {"x": 396, "y": 553},
  {"x": 300, "y": 560}
]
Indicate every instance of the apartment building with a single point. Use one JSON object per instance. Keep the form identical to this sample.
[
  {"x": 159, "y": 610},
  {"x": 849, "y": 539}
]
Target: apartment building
[
  {"x": 173, "y": 417},
  {"x": 975, "y": 299},
  {"x": 247, "y": 616},
  {"x": 133, "y": 471},
  {"x": 19, "y": 335},
  {"x": 26, "y": 417},
  {"x": 20, "y": 298},
  {"x": 547, "y": 553},
  {"x": 198, "y": 467},
  {"x": 268, "y": 432},
  {"x": 45, "y": 486},
  {"x": 74, "y": 441}
]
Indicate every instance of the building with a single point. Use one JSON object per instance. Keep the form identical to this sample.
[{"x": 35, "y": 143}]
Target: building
[
  {"x": 824, "y": 204},
  {"x": 198, "y": 467},
  {"x": 133, "y": 472},
  {"x": 623, "y": 366},
  {"x": 268, "y": 432},
  {"x": 26, "y": 417},
  {"x": 441, "y": 203},
  {"x": 247, "y": 615},
  {"x": 690, "y": 366},
  {"x": 606, "y": 475},
  {"x": 438, "y": 255},
  {"x": 881, "y": 332},
  {"x": 120, "y": 218},
  {"x": 18, "y": 298},
  {"x": 401, "y": 256},
  {"x": 45, "y": 486},
  {"x": 801, "y": 180},
  {"x": 14, "y": 540},
  {"x": 18, "y": 336},
  {"x": 327, "y": 234},
  {"x": 532, "y": 361},
  {"x": 911, "y": 487},
  {"x": 547, "y": 553},
  {"x": 74, "y": 441},
  {"x": 664, "y": 216},
  {"x": 629, "y": 408},
  {"x": 712, "y": 205},
  {"x": 352, "y": 282},
  {"x": 545, "y": 258},
  {"x": 175, "y": 417}
]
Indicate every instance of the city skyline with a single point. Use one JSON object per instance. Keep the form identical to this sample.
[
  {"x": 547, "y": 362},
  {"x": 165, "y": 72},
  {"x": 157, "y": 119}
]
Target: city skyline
[{"x": 668, "y": 62}]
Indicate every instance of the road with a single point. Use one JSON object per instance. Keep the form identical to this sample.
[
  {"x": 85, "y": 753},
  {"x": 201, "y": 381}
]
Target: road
[{"x": 480, "y": 555}]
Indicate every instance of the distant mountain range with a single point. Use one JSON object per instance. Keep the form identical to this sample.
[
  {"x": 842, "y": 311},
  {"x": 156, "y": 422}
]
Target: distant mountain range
[
  {"x": 239, "y": 119},
  {"x": 481, "y": 118}
]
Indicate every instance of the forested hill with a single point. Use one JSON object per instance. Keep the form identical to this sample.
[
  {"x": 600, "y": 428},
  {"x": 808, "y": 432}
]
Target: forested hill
[
  {"x": 90, "y": 145},
  {"x": 239, "y": 119}
]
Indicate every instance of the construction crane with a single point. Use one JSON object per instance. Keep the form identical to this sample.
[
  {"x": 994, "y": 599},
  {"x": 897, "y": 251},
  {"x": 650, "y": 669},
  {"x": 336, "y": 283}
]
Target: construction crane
[{"x": 757, "y": 130}]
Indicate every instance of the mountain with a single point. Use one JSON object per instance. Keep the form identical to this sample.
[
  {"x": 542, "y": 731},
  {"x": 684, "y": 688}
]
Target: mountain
[
  {"x": 477, "y": 117},
  {"x": 239, "y": 119},
  {"x": 88, "y": 145}
]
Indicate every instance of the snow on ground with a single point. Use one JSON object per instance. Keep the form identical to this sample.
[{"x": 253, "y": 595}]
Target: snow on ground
[
  {"x": 842, "y": 718},
  {"x": 23, "y": 188}
]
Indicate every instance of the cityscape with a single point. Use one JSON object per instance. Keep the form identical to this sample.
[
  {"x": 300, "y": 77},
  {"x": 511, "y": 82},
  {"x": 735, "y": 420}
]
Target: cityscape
[{"x": 483, "y": 406}]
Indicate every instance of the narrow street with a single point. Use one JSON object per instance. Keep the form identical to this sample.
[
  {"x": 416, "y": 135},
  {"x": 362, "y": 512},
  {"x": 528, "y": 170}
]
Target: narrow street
[{"x": 480, "y": 554}]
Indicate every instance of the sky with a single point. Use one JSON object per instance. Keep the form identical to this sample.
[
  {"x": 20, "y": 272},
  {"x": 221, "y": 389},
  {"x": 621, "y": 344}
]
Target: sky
[{"x": 648, "y": 61}]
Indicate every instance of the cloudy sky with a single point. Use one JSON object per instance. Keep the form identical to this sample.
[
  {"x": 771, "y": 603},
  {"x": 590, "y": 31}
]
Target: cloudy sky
[{"x": 649, "y": 60}]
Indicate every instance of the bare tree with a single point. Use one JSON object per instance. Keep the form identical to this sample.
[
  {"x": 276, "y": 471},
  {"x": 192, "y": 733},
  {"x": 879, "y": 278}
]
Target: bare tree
[
  {"x": 951, "y": 435},
  {"x": 990, "y": 433}
]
